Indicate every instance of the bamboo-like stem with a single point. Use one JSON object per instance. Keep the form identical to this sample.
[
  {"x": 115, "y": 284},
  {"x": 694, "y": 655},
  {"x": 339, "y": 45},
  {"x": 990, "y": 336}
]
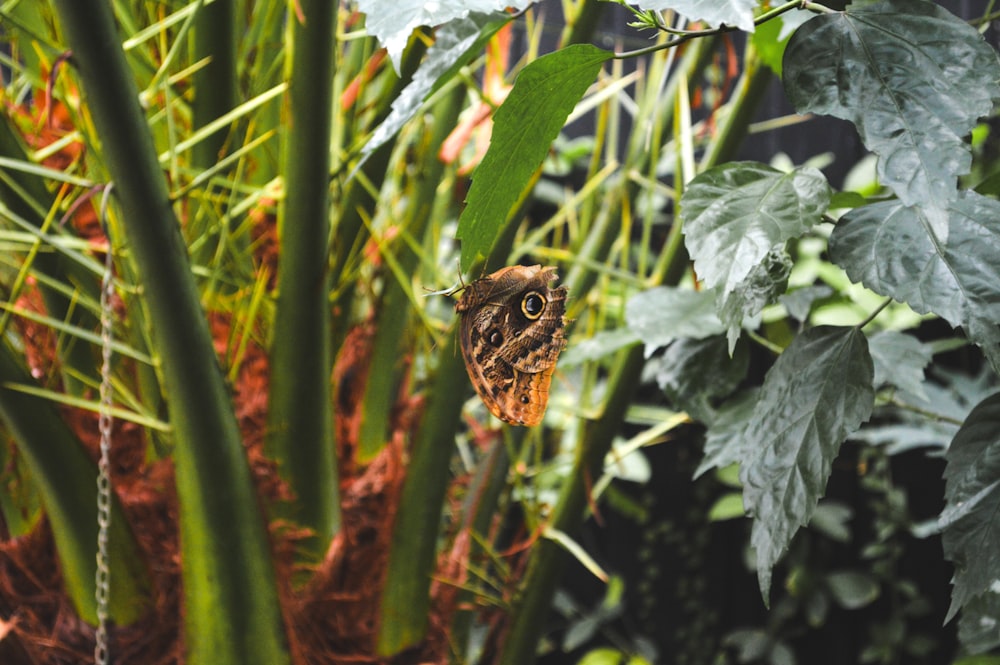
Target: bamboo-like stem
[
  {"x": 300, "y": 418},
  {"x": 232, "y": 614}
]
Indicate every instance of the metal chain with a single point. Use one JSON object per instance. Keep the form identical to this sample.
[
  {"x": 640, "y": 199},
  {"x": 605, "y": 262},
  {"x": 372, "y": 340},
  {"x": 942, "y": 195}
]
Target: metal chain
[{"x": 103, "y": 582}]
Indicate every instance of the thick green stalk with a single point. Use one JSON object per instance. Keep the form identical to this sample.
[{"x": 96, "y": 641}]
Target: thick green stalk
[
  {"x": 300, "y": 418},
  {"x": 405, "y": 604},
  {"x": 548, "y": 559},
  {"x": 67, "y": 481},
  {"x": 406, "y": 595},
  {"x": 215, "y": 83},
  {"x": 232, "y": 614}
]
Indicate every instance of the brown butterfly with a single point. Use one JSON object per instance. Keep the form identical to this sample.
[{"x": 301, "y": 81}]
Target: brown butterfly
[{"x": 511, "y": 333}]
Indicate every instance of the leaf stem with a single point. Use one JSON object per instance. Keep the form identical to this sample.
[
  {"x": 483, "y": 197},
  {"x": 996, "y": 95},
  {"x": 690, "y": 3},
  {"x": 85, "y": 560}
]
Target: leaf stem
[
  {"x": 877, "y": 311},
  {"x": 687, "y": 35}
]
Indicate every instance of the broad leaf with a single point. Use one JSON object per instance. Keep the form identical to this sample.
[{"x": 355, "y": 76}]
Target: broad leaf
[
  {"x": 712, "y": 12},
  {"x": 693, "y": 372},
  {"x": 817, "y": 393},
  {"x": 913, "y": 78},
  {"x": 662, "y": 314},
  {"x": 392, "y": 21},
  {"x": 979, "y": 625},
  {"x": 455, "y": 43},
  {"x": 898, "y": 251},
  {"x": 524, "y": 127},
  {"x": 899, "y": 360},
  {"x": 736, "y": 214},
  {"x": 760, "y": 288},
  {"x": 971, "y": 534},
  {"x": 724, "y": 441}
]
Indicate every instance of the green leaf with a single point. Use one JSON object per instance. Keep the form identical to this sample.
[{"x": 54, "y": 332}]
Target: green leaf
[
  {"x": 943, "y": 262},
  {"x": 979, "y": 627},
  {"x": 913, "y": 79},
  {"x": 736, "y": 214},
  {"x": 971, "y": 535},
  {"x": 724, "y": 441},
  {"x": 800, "y": 301},
  {"x": 602, "y": 344},
  {"x": 524, "y": 127},
  {"x": 817, "y": 393},
  {"x": 693, "y": 372},
  {"x": 899, "y": 360},
  {"x": 726, "y": 507},
  {"x": 761, "y": 287},
  {"x": 852, "y": 590},
  {"x": 662, "y": 314}
]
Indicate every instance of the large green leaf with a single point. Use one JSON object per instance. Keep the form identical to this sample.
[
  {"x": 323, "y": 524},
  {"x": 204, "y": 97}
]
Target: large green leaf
[
  {"x": 524, "y": 127},
  {"x": 947, "y": 266},
  {"x": 817, "y": 393},
  {"x": 971, "y": 534},
  {"x": 736, "y": 214},
  {"x": 913, "y": 78}
]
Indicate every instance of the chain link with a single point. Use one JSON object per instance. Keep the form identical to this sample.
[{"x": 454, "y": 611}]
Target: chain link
[{"x": 104, "y": 422}]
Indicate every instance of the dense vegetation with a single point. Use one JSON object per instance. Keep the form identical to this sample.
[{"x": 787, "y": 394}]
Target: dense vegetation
[{"x": 299, "y": 470}]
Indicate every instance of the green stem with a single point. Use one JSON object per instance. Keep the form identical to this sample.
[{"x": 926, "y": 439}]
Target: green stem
[
  {"x": 299, "y": 419},
  {"x": 232, "y": 614}
]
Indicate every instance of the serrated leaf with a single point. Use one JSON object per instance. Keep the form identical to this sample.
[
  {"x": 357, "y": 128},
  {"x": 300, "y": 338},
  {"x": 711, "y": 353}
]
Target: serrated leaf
[
  {"x": 896, "y": 251},
  {"x": 724, "y": 441},
  {"x": 913, "y": 79},
  {"x": 392, "y": 21},
  {"x": 979, "y": 626},
  {"x": 817, "y": 393},
  {"x": 693, "y": 372},
  {"x": 454, "y": 44},
  {"x": 524, "y": 127},
  {"x": 662, "y": 314},
  {"x": 735, "y": 214},
  {"x": 760, "y": 288},
  {"x": 899, "y": 360},
  {"x": 971, "y": 536},
  {"x": 712, "y": 12}
]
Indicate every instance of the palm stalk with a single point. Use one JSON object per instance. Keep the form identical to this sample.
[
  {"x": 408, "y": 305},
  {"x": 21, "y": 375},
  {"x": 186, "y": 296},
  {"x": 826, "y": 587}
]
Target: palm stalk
[
  {"x": 299, "y": 418},
  {"x": 232, "y": 613}
]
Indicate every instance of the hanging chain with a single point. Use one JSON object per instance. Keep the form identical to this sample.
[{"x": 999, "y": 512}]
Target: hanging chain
[{"x": 103, "y": 586}]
